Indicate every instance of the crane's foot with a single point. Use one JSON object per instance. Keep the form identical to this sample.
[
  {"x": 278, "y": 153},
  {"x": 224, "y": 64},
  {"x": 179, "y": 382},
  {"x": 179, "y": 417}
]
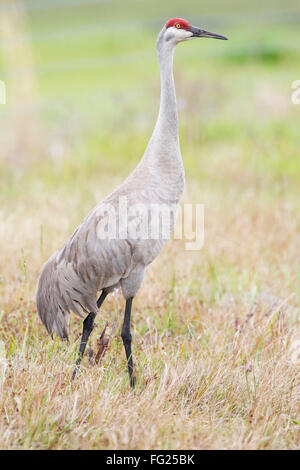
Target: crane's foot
[
  {"x": 88, "y": 326},
  {"x": 132, "y": 381},
  {"x": 77, "y": 367}
]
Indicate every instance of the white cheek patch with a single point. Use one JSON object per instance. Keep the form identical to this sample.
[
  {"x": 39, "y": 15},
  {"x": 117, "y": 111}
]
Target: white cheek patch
[{"x": 178, "y": 34}]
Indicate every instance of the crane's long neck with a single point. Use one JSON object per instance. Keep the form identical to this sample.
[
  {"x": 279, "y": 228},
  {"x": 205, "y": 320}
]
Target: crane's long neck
[
  {"x": 162, "y": 158},
  {"x": 163, "y": 147},
  {"x": 167, "y": 122}
]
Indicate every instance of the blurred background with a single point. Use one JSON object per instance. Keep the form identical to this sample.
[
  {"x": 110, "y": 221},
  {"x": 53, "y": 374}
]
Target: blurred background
[
  {"x": 83, "y": 89},
  {"x": 82, "y": 85}
]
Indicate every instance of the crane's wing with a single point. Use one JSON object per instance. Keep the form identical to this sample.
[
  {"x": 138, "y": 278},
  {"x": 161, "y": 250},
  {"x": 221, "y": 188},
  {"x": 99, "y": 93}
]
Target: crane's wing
[{"x": 72, "y": 278}]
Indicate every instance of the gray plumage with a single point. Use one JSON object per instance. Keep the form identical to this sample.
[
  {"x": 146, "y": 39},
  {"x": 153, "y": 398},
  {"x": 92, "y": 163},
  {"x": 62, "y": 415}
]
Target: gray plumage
[{"x": 86, "y": 265}]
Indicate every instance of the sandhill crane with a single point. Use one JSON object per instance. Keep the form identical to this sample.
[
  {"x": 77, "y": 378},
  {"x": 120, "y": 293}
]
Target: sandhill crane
[{"x": 89, "y": 264}]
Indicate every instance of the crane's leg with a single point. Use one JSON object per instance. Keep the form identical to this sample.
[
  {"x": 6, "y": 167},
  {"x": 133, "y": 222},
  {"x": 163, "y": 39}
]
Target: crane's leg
[
  {"x": 88, "y": 326},
  {"x": 126, "y": 337},
  {"x": 102, "y": 298}
]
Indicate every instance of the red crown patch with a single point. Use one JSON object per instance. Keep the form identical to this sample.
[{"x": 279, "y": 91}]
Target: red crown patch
[{"x": 179, "y": 23}]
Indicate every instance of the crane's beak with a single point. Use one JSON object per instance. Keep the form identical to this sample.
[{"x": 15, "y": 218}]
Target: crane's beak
[{"x": 201, "y": 33}]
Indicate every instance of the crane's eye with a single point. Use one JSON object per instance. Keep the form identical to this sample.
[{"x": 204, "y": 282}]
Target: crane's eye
[{"x": 177, "y": 25}]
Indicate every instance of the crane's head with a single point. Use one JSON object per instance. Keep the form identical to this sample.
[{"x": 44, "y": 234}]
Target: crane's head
[{"x": 178, "y": 30}]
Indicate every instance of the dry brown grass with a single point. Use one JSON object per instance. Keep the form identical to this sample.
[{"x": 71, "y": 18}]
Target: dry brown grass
[{"x": 214, "y": 341}]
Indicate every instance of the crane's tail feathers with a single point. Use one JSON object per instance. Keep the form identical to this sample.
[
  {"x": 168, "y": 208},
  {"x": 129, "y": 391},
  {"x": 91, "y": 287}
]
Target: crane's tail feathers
[{"x": 59, "y": 292}]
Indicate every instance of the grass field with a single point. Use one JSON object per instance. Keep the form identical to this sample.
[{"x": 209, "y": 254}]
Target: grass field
[{"x": 216, "y": 332}]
